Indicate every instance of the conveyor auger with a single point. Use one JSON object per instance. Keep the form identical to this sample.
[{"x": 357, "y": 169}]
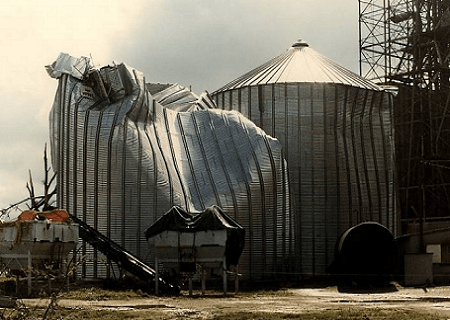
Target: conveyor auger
[{"x": 121, "y": 256}]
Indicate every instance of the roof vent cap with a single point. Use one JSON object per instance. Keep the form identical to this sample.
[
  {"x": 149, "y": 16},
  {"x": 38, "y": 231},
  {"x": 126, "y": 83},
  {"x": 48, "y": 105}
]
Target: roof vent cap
[{"x": 300, "y": 43}]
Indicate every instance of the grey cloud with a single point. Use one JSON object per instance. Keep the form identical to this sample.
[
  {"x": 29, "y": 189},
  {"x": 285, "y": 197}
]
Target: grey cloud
[{"x": 209, "y": 43}]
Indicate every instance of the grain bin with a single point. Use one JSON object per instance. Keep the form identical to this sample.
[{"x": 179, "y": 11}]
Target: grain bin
[
  {"x": 124, "y": 158},
  {"x": 336, "y": 131}
]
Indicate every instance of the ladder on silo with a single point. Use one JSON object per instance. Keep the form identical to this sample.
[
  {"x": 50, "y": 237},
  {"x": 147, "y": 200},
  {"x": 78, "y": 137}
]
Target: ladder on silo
[{"x": 121, "y": 256}]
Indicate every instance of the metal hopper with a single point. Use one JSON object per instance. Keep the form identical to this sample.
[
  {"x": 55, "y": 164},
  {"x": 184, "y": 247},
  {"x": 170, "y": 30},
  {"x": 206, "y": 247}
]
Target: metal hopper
[{"x": 184, "y": 242}]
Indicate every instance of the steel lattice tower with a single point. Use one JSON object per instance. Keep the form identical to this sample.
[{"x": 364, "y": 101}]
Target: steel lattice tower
[{"x": 406, "y": 43}]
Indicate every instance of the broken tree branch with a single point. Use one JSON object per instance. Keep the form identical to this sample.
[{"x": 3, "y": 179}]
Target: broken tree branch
[{"x": 30, "y": 188}]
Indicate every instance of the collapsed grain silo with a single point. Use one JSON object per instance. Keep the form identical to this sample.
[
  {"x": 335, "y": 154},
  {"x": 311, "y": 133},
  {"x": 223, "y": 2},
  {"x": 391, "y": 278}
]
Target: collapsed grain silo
[
  {"x": 125, "y": 158},
  {"x": 336, "y": 130}
]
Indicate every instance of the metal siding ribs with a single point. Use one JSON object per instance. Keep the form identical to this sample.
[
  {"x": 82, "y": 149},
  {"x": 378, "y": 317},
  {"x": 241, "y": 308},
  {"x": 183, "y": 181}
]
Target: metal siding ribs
[
  {"x": 336, "y": 132},
  {"x": 133, "y": 157}
]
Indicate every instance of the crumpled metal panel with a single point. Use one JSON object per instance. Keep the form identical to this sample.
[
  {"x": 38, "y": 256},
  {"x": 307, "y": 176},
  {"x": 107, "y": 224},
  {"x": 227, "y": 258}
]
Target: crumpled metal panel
[
  {"x": 339, "y": 145},
  {"x": 180, "y": 98},
  {"x": 123, "y": 159},
  {"x": 76, "y": 67}
]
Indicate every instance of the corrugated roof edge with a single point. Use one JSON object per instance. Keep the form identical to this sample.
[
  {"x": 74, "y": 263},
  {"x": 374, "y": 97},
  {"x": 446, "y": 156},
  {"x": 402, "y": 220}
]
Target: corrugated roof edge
[{"x": 274, "y": 71}]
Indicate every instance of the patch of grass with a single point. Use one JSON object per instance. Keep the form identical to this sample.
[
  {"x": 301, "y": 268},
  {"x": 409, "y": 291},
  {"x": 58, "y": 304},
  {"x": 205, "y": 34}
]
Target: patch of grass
[
  {"x": 266, "y": 293},
  {"x": 98, "y": 294},
  {"x": 93, "y": 314},
  {"x": 116, "y": 314},
  {"x": 332, "y": 315}
]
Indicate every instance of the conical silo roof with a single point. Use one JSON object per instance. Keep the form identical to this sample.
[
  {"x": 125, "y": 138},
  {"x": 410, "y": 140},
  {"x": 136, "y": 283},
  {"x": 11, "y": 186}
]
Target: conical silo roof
[{"x": 300, "y": 63}]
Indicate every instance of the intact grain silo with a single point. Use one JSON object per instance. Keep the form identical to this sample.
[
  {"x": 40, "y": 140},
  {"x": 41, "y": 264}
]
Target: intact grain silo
[{"x": 336, "y": 131}]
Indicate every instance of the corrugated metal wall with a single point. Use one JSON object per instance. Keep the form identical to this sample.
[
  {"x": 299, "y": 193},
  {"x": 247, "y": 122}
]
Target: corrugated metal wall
[
  {"x": 122, "y": 164},
  {"x": 338, "y": 142}
]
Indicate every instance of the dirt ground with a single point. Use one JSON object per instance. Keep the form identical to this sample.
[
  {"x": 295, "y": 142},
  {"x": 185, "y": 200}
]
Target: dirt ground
[{"x": 434, "y": 301}]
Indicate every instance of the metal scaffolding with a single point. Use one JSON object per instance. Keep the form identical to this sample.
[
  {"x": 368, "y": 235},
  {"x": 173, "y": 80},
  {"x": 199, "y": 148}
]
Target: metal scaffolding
[{"x": 406, "y": 43}]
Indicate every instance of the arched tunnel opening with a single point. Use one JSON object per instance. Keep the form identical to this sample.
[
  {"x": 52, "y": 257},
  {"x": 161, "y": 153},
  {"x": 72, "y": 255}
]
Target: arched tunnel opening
[{"x": 365, "y": 255}]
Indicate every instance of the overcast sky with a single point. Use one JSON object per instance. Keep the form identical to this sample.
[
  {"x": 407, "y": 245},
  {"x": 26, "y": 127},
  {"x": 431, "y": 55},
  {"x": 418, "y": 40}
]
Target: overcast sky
[{"x": 200, "y": 43}]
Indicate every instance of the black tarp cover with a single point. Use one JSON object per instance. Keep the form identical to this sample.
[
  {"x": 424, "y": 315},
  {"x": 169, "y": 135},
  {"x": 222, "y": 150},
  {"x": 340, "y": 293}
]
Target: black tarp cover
[{"x": 213, "y": 218}]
